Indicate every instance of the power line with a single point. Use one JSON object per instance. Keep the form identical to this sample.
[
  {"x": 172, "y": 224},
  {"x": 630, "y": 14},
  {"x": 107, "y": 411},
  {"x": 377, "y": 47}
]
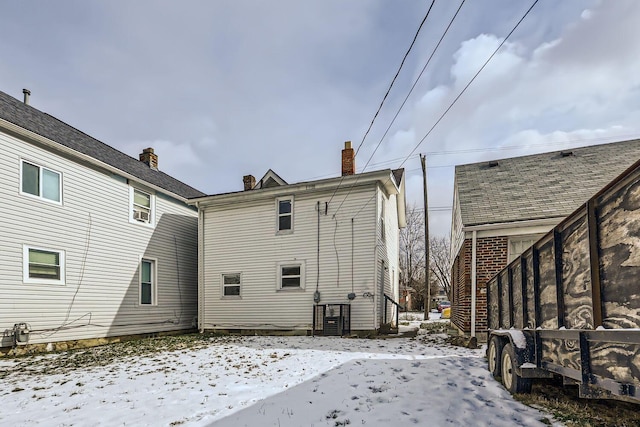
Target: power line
[
  {"x": 470, "y": 81},
  {"x": 401, "y": 105},
  {"x": 456, "y": 98},
  {"x": 415, "y": 37}
]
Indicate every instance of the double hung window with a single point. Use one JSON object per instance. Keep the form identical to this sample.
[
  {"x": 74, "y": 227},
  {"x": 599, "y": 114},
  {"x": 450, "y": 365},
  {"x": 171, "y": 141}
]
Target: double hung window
[{"x": 43, "y": 265}]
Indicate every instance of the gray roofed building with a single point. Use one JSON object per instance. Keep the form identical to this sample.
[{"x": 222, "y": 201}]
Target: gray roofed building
[
  {"x": 502, "y": 207},
  {"x": 541, "y": 185},
  {"x": 36, "y": 121}
]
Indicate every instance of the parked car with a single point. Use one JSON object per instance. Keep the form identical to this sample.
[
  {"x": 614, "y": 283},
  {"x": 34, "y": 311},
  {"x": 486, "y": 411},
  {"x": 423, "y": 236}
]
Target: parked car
[{"x": 442, "y": 305}]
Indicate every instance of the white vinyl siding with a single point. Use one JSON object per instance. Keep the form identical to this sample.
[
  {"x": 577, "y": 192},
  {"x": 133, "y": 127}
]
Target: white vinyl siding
[
  {"x": 43, "y": 266},
  {"x": 250, "y": 246},
  {"x": 102, "y": 252},
  {"x": 40, "y": 182}
]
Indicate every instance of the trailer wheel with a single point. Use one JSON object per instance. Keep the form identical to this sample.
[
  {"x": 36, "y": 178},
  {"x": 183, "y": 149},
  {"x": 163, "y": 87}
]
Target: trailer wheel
[
  {"x": 494, "y": 356},
  {"x": 510, "y": 378}
]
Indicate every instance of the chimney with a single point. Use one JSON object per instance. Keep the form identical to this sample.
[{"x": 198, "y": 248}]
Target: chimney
[
  {"x": 26, "y": 92},
  {"x": 348, "y": 160},
  {"x": 249, "y": 182},
  {"x": 147, "y": 157}
]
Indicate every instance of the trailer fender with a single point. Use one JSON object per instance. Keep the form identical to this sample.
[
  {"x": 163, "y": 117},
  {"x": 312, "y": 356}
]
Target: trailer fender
[{"x": 522, "y": 342}]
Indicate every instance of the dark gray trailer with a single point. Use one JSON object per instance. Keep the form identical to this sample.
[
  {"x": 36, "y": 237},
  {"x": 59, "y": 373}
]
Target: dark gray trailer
[{"x": 570, "y": 304}]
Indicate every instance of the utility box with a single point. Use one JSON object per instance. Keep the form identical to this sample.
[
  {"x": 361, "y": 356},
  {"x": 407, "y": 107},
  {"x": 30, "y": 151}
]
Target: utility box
[
  {"x": 332, "y": 319},
  {"x": 21, "y": 333}
]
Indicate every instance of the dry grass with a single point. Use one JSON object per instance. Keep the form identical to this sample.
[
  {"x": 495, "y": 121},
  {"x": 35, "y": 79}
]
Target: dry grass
[{"x": 567, "y": 407}]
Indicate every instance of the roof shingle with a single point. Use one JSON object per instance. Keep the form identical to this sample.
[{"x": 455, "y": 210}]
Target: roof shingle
[
  {"x": 539, "y": 186},
  {"x": 34, "y": 120}
]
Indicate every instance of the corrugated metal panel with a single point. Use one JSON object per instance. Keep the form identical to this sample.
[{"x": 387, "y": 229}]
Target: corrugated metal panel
[
  {"x": 242, "y": 238},
  {"x": 100, "y": 296}
]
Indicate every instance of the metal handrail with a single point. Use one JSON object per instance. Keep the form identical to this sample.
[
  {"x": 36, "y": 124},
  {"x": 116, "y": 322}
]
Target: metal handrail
[{"x": 388, "y": 298}]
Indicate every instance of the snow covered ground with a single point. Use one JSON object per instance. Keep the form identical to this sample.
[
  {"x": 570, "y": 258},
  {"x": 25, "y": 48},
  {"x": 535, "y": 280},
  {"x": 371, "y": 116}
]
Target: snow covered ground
[{"x": 263, "y": 381}]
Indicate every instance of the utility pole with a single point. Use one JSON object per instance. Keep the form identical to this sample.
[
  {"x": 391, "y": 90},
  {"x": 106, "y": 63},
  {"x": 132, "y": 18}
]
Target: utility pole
[{"x": 427, "y": 282}]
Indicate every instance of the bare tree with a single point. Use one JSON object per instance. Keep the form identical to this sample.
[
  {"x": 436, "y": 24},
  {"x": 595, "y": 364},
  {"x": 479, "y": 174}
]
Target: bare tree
[
  {"x": 440, "y": 268},
  {"x": 412, "y": 258}
]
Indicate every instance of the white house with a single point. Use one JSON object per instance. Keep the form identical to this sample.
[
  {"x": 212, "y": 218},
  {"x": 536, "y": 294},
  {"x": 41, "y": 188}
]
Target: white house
[
  {"x": 93, "y": 243},
  {"x": 315, "y": 256}
]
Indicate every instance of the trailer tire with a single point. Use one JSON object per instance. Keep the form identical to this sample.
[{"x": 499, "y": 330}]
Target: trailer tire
[
  {"x": 494, "y": 356},
  {"x": 510, "y": 378}
]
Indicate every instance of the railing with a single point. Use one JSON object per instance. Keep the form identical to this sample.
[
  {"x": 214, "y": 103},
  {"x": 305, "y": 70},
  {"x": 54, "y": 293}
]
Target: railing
[{"x": 388, "y": 299}]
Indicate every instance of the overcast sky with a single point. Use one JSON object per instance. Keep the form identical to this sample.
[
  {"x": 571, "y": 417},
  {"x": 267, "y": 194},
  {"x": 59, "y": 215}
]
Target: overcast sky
[{"x": 222, "y": 89}]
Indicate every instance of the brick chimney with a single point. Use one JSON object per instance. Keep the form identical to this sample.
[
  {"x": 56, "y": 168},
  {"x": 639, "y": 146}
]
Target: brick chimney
[
  {"x": 348, "y": 159},
  {"x": 249, "y": 182},
  {"x": 147, "y": 157}
]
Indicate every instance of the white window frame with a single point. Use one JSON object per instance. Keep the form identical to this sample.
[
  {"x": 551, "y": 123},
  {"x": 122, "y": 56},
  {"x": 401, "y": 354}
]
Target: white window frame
[
  {"x": 40, "y": 280},
  {"x": 41, "y": 168},
  {"x": 152, "y": 207},
  {"x": 154, "y": 282},
  {"x": 285, "y": 264},
  {"x": 520, "y": 239},
  {"x": 278, "y": 215},
  {"x": 224, "y": 286}
]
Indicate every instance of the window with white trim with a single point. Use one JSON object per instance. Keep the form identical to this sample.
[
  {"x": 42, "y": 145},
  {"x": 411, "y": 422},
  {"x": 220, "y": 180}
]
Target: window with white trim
[
  {"x": 148, "y": 282},
  {"x": 284, "y": 208},
  {"x": 291, "y": 275},
  {"x": 231, "y": 284},
  {"x": 40, "y": 182},
  {"x": 44, "y": 266},
  {"x": 517, "y": 245},
  {"x": 142, "y": 206}
]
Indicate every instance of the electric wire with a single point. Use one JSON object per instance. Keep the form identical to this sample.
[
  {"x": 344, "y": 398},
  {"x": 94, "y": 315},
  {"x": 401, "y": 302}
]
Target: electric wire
[
  {"x": 433, "y": 52},
  {"x": 455, "y": 100},
  {"x": 375, "y": 116}
]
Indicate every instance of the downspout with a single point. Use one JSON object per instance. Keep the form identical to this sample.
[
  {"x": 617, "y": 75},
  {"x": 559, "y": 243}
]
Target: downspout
[
  {"x": 200, "y": 268},
  {"x": 474, "y": 283}
]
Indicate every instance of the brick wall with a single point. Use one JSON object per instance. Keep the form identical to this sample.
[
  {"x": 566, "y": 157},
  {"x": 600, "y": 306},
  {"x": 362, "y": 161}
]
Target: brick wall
[{"x": 491, "y": 257}]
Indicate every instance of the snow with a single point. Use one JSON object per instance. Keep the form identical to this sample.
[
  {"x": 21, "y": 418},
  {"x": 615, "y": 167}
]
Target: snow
[{"x": 263, "y": 381}]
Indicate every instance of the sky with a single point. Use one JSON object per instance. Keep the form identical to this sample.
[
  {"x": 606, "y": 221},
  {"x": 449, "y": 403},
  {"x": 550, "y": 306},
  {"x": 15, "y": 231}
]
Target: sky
[
  {"x": 229, "y": 88},
  {"x": 263, "y": 381}
]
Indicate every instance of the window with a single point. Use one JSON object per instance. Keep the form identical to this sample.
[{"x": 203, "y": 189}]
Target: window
[
  {"x": 382, "y": 226},
  {"x": 285, "y": 214},
  {"x": 41, "y": 182},
  {"x": 231, "y": 285},
  {"x": 43, "y": 265},
  {"x": 291, "y": 275},
  {"x": 148, "y": 282},
  {"x": 142, "y": 206},
  {"x": 517, "y": 245}
]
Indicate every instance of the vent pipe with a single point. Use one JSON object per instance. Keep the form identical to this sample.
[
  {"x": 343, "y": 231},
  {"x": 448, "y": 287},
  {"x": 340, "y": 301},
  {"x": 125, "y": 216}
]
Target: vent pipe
[{"x": 26, "y": 93}]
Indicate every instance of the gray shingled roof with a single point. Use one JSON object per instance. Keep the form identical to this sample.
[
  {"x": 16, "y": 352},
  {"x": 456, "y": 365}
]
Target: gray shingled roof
[
  {"x": 541, "y": 185},
  {"x": 43, "y": 124}
]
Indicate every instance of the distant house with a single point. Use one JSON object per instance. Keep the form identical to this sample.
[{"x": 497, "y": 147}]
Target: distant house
[
  {"x": 93, "y": 243},
  {"x": 501, "y": 207},
  {"x": 318, "y": 256}
]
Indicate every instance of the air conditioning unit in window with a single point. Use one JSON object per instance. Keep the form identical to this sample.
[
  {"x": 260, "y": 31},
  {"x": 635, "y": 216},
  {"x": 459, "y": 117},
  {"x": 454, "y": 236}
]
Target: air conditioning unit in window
[{"x": 141, "y": 216}]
